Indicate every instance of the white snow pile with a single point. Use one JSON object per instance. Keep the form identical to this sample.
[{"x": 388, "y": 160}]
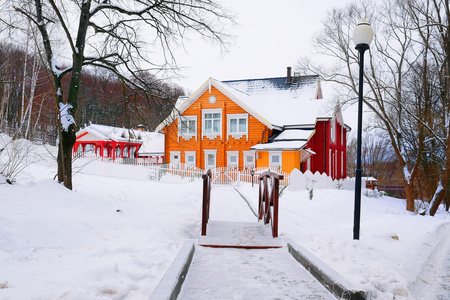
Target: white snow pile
[{"x": 115, "y": 238}]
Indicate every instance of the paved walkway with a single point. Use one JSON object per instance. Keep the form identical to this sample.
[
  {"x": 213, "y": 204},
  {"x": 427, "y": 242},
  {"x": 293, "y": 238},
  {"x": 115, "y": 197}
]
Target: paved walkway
[
  {"x": 228, "y": 273},
  {"x": 434, "y": 281},
  {"x": 249, "y": 274}
]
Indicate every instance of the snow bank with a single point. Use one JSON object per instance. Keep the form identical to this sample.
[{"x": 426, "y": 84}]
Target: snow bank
[
  {"x": 107, "y": 239},
  {"x": 115, "y": 239},
  {"x": 394, "y": 244}
]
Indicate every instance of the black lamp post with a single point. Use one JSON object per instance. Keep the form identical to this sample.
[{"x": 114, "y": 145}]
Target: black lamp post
[{"x": 362, "y": 37}]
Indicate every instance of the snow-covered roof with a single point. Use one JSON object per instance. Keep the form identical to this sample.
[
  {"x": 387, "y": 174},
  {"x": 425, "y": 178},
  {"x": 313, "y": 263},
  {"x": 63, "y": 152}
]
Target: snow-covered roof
[
  {"x": 295, "y": 134},
  {"x": 272, "y": 101},
  {"x": 110, "y": 133},
  {"x": 153, "y": 144}
]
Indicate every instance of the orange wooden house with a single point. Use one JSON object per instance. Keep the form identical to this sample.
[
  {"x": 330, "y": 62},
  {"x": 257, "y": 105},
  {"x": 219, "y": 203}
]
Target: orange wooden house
[{"x": 279, "y": 122}]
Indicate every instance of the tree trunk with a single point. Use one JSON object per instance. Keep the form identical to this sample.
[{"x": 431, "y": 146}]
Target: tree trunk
[
  {"x": 409, "y": 190},
  {"x": 440, "y": 193},
  {"x": 66, "y": 142},
  {"x": 68, "y": 138}
]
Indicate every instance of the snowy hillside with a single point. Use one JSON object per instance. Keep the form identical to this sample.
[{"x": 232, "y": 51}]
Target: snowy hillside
[{"x": 114, "y": 239}]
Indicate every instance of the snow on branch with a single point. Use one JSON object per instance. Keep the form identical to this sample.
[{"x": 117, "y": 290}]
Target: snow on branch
[{"x": 66, "y": 117}]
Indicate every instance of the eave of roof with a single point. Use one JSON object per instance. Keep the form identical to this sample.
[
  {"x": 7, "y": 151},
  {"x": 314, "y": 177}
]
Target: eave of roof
[{"x": 280, "y": 146}]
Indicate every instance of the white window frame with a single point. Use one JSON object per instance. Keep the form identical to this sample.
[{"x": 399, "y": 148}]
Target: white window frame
[
  {"x": 308, "y": 164},
  {"x": 188, "y": 154},
  {"x": 231, "y": 154},
  {"x": 187, "y": 135},
  {"x": 172, "y": 157},
  {"x": 248, "y": 165},
  {"x": 330, "y": 171},
  {"x": 335, "y": 163},
  {"x": 342, "y": 163},
  {"x": 238, "y": 134},
  {"x": 333, "y": 130},
  {"x": 275, "y": 164},
  {"x": 210, "y": 151},
  {"x": 211, "y": 135},
  {"x": 342, "y": 135}
]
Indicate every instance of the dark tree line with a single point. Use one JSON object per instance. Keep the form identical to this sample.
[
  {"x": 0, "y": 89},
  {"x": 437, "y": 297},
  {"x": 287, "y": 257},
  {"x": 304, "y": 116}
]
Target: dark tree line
[{"x": 103, "y": 98}]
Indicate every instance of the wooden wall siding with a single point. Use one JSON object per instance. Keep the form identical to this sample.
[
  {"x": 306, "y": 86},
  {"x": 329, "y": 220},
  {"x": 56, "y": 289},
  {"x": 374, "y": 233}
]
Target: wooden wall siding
[
  {"x": 262, "y": 159},
  {"x": 321, "y": 144},
  {"x": 290, "y": 160},
  {"x": 222, "y": 145},
  {"x": 317, "y": 143}
]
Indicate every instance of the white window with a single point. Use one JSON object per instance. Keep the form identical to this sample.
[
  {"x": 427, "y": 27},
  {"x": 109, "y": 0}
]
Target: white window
[
  {"x": 190, "y": 158},
  {"x": 342, "y": 163},
  {"x": 212, "y": 123},
  {"x": 249, "y": 159},
  {"x": 187, "y": 126},
  {"x": 333, "y": 130},
  {"x": 329, "y": 163},
  {"x": 233, "y": 159},
  {"x": 275, "y": 159},
  {"x": 308, "y": 164},
  {"x": 175, "y": 158},
  {"x": 210, "y": 159},
  {"x": 237, "y": 125},
  {"x": 342, "y": 135},
  {"x": 335, "y": 163}
]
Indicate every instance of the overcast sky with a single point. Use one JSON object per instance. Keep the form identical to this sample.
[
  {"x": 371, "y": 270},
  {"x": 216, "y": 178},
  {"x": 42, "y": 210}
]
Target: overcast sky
[{"x": 270, "y": 36}]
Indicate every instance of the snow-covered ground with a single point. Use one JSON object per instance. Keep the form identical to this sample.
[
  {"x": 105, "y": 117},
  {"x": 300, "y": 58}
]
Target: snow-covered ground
[{"x": 114, "y": 239}]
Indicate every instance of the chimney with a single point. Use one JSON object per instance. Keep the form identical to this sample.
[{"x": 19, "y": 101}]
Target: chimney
[{"x": 288, "y": 77}]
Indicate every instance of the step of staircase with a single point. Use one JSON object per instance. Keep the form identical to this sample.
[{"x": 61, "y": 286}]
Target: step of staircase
[{"x": 246, "y": 235}]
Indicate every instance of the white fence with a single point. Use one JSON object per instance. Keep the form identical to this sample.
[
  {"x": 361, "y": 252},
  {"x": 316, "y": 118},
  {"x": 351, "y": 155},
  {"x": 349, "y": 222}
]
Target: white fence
[
  {"x": 234, "y": 176},
  {"x": 181, "y": 173},
  {"x": 141, "y": 171},
  {"x": 308, "y": 180}
]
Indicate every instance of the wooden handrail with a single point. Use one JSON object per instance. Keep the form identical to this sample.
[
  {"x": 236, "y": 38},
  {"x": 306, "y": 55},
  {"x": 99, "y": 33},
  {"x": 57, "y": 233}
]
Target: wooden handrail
[
  {"x": 206, "y": 199},
  {"x": 268, "y": 199}
]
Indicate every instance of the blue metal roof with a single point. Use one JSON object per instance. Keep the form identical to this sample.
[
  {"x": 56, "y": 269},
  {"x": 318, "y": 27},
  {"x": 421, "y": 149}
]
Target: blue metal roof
[{"x": 251, "y": 86}]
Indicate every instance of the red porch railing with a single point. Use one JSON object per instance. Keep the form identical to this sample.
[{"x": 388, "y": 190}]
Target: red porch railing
[
  {"x": 269, "y": 183},
  {"x": 206, "y": 199}
]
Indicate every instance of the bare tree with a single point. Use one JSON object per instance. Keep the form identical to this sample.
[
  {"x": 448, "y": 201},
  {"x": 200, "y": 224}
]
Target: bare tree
[
  {"x": 113, "y": 35},
  {"x": 431, "y": 19},
  {"x": 392, "y": 58}
]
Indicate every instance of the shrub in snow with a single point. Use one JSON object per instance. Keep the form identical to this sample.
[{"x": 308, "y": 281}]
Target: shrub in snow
[
  {"x": 339, "y": 184},
  {"x": 310, "y": 188},
  {"x": 372, "y": 193},
  {"x": 15, "y": 156}
]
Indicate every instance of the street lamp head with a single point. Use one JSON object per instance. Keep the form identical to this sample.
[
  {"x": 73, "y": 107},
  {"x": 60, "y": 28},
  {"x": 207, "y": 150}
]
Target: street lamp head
[{"x": 363, "y": 33}]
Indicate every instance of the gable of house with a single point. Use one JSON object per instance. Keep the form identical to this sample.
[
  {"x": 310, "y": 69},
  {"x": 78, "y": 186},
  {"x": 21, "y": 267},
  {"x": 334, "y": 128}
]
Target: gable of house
[{"x": 212, "y": 124}]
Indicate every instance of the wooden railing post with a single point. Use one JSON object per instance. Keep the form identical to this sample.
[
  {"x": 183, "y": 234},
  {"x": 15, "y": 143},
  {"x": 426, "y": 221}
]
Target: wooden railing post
[
  {"x": 206, "y": 199},
  {"x": 268, "y": 203}
]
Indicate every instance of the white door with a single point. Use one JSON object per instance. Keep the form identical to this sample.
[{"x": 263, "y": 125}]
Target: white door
[
  {"x": 175, "y": 158},
  {"x": 210, "y": 160}
]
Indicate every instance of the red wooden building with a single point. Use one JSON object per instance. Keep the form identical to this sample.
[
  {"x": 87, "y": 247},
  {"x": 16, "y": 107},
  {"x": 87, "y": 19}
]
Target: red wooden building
[{"x": 114, "y": 142}]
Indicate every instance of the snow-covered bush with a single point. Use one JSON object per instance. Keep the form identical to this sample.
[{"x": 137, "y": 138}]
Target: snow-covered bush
[
  {"x": 373, "y": 193},
  {"x": 15, "y": 156}
]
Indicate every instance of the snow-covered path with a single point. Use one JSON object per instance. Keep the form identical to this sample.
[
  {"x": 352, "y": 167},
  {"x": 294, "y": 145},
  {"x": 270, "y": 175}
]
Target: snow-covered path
[
  {"x": 434, "y": 281},
  {"x": 227, "y": 205},
  {"x": 249, "y": 274},
  {"x": 218, "y": 273}
]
